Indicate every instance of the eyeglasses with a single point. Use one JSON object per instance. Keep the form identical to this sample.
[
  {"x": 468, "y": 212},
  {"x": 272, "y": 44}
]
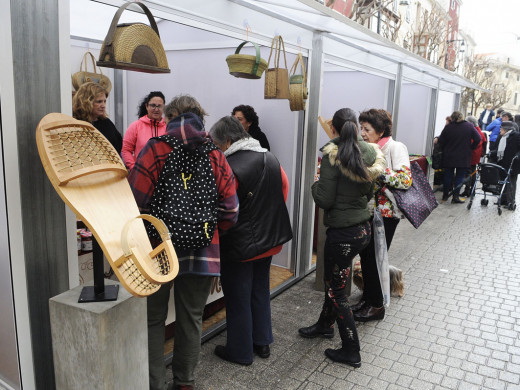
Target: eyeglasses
[{"x": 155, "y": 106}]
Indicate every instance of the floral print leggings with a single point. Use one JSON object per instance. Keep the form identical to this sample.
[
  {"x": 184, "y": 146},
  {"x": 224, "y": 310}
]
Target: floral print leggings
[{"x": 341, "y": 246}]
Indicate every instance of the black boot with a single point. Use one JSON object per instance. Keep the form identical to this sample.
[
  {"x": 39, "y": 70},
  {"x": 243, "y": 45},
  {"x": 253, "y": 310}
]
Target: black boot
[
  {"x": 317, "y": 330},
  {"x": 345, "y": 356},
  {"x": 322, "y": 328}
]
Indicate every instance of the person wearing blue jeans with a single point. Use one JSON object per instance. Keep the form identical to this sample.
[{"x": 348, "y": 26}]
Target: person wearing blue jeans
[{"x": 460, "y": 174}]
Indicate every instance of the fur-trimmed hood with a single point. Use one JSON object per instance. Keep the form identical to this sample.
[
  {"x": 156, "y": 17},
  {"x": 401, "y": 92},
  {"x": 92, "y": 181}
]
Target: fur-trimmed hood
[{"x": 372, "y": 156}]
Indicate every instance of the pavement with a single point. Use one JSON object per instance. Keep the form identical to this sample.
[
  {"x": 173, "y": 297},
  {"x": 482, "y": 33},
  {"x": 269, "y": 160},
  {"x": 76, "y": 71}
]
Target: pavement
[{"x": 456, "y": 327}]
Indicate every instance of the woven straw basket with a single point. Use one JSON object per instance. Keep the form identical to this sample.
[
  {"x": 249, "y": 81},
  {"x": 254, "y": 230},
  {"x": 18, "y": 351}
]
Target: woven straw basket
[
  {"x": 82, "y": 77},
  {"x": 298, "y": 86},
  {"x": 277, "y": 78},
  {"x": 134, "y": 46},
  {"x": 246, "y": 66}
]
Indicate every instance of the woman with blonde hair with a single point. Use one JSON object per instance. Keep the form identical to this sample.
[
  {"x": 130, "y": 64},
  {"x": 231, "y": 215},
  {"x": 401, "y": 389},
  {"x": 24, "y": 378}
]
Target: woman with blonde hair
[{"x": 89, "y": 105}]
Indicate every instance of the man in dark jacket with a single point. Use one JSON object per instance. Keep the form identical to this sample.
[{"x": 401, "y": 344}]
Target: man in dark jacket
[
  {"x": 458, "y": 139},
  {"x": 486, "y": 117},
  {"x": 508, "y": 146}
]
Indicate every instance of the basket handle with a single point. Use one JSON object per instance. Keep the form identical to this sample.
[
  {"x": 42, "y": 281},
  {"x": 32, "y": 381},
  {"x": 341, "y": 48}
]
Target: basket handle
[
  {"x": 84, "y": 61},
  {"x": 156, "y": 222},
  {"x": 299, "y": 59},
  {"x": 109, "y": 40},
  {"x": 257, "y": 49},
  {"x": 278, "y": 46},
  {"x": 150, "y": 272}
]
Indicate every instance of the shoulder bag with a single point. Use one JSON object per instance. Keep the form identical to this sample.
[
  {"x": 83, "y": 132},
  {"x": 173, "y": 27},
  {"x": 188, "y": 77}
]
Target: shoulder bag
[{"x": 418, "y": 201}]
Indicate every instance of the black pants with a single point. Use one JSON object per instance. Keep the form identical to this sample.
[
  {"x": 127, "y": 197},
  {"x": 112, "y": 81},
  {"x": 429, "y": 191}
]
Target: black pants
[
  {"x": 510, "y": 190},
  {"x": 372, "y": 293},
  {"x": 341, "y": 246}
]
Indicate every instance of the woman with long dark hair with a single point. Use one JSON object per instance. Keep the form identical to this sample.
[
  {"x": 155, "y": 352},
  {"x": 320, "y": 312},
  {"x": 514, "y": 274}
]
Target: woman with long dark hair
[
  {"x": 348, "y": 167},
  {"x": 150, "y": 124}
]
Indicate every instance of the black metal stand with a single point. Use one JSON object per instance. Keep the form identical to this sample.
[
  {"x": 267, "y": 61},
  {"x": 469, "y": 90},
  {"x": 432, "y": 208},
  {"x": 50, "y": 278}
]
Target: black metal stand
[{"x": 98, "y": 292}]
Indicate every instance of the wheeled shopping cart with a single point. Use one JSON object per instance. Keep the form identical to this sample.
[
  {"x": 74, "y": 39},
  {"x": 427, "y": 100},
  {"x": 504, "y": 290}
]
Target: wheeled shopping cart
[{"x": 495, "y": 180}]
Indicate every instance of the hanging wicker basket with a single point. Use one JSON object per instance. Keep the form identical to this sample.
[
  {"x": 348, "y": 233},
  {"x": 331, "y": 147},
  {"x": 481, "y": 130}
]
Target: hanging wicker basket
[
  {"x": 246, "y": 66},
  {"x": 298, "y": 86},
  {"x": 277, "y": 78},
  {"x": 134, "y": 46}
]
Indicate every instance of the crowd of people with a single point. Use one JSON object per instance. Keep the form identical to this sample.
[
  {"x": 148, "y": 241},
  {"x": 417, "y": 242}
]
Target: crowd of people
[
  {"x": 466, "y": 142},
  {"x": 232, "y": 174}
]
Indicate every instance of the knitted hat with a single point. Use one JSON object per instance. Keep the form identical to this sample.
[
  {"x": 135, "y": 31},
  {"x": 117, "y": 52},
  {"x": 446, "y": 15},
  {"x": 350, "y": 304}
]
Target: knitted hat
[{"x": 507, "y": 125}]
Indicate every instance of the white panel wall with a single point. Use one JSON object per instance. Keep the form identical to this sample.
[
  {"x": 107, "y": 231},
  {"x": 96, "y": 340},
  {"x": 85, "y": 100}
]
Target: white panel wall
[
  {"x": 413, "y": 117},
  {"x": 444, "y": 109},
  {"x": 357, "y": 90}
]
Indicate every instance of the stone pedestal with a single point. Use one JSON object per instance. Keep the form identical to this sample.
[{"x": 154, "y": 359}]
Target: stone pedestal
[{"x": 99, "y": 345}]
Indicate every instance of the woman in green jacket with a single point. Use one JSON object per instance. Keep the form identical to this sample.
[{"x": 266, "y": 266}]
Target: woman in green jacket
[{"x": 348, "y": 168}]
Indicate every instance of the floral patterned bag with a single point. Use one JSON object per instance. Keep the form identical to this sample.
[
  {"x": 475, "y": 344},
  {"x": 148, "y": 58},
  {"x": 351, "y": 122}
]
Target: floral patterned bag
[{"x": 418, "y": 201}]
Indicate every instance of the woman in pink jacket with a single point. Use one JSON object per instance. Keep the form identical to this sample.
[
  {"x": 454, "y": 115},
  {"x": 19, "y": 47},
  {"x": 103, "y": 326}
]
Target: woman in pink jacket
[{"x": 150, "y": 124}]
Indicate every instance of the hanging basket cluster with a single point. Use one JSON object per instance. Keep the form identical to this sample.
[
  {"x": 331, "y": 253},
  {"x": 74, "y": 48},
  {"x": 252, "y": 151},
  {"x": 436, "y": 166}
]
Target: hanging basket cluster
[{"x": 278, "y": 84}]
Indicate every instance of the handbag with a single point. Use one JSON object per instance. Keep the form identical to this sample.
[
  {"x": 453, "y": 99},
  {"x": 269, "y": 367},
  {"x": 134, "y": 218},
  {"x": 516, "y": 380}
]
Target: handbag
[
  {"x": 246, "y": 66},
  {"x": 381, "y": 252},
  {"x": 277, "y": 79},
  {"x": 437, "y": 156},
  {"x": 82, "y": 77},
  {"x": 418, "y": 201},
  {"x": 298, "y": 86},
  {"x": 134, "y": 46}
]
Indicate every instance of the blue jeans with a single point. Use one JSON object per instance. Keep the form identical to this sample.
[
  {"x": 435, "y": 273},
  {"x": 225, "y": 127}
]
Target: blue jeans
[
  {"x": 248, "y": 306},
  {"x": 448, "y": 177}
]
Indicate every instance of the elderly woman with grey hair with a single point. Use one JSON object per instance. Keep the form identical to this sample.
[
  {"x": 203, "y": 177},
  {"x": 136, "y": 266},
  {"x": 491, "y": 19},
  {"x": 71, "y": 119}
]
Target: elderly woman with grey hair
[
  {"x": 246, "y": 249},
  {"x": 476, "y": 155},
  {"x": 156, "y": 180}
]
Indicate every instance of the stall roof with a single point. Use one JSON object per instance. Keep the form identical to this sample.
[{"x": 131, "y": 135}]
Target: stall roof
[{"x": 312, "y": 15}]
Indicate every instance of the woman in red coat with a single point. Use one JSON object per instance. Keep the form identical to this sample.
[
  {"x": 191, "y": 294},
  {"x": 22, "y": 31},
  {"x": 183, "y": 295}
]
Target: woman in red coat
[{"x": 476, "y": 155}]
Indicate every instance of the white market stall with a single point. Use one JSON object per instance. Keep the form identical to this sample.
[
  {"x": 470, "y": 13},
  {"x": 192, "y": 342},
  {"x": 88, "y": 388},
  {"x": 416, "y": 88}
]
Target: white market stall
[{"x": 347, "y": 65}]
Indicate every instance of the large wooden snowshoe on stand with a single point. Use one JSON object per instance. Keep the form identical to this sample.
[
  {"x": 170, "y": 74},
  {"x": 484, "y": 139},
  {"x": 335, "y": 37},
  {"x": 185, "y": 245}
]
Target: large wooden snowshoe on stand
[{"x": 90, "y": 177}]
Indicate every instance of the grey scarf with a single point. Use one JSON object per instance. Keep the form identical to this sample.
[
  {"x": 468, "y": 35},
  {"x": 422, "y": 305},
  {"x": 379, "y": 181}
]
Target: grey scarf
[
  {"x": 244, "y": 144},
  {"x": 502, "y": 145}
]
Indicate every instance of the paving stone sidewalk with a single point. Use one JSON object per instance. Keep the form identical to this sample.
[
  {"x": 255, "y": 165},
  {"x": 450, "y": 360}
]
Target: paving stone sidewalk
[{"x": 457, "y": 326}]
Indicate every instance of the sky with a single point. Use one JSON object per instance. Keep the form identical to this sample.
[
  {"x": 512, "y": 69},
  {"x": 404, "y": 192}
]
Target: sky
[{"x": 494, "y": 25}]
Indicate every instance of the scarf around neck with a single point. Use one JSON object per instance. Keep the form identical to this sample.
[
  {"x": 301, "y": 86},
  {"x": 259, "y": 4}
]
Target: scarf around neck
[
  {"x": 502, "y": 145},
  {"x": 382, "y": 142},
  {"x": 249, "y": 143}
]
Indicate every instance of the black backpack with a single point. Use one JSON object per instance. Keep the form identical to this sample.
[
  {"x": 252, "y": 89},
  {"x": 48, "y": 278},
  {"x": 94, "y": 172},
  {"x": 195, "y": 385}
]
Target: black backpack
[{"x": 186, "y": 197}]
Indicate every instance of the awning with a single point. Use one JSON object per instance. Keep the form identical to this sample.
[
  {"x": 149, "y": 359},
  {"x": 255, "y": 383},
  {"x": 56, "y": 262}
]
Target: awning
[{"x": 314, "y": 16}]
